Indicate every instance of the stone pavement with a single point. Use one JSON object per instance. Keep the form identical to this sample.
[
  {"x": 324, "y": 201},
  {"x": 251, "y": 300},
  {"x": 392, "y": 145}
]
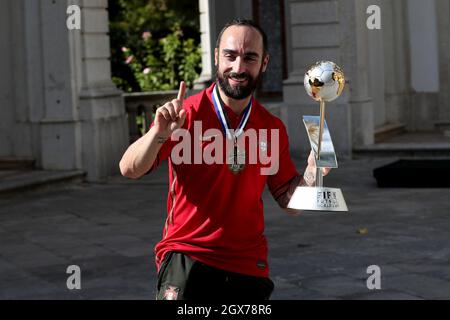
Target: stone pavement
[{"x": 109, "y": 231}]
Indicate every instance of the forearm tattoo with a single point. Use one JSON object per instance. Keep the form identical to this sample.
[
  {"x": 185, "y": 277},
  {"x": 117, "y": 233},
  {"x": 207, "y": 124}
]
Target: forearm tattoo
[{"x": 161, "y": 140}]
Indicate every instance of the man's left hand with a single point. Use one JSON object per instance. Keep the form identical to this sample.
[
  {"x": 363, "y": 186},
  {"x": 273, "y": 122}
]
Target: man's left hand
[{"x": 310, "y": 172}]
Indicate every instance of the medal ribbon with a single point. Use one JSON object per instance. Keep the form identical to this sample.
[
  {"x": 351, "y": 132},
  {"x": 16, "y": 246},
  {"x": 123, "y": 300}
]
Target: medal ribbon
[{"x": 223, "y": 118}]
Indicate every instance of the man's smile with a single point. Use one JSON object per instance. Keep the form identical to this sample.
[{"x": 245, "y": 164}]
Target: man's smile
[{"x": 236, "y": 81}]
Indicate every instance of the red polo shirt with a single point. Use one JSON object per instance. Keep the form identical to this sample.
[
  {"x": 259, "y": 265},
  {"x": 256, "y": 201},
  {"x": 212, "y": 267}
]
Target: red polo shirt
[{"x": 214, "y": 215}]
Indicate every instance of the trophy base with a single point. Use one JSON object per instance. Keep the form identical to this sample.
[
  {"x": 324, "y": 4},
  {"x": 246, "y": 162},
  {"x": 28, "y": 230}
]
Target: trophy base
[{"x": 318, "y": 199}]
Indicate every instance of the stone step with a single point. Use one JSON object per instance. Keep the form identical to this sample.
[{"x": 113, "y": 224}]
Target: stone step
[
  {"x": 443, "y": 127},
  {"x": 435, "y": 150},
  {"x": 16, "y": 163},
  {"x": 408, "y": 145},
  {"x": 388, "y": 131},
  {"x": 19, "y": 181}
]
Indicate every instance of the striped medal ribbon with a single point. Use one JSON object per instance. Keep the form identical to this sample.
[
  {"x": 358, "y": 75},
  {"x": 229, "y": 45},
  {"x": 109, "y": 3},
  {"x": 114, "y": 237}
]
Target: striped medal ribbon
[{"x": 236, "y": 160}]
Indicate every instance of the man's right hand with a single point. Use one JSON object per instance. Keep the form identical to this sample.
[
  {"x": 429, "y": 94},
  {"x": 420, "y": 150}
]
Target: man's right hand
[
  {"x": 171, "y": 115},
  {"x": 141, "y": 155}
]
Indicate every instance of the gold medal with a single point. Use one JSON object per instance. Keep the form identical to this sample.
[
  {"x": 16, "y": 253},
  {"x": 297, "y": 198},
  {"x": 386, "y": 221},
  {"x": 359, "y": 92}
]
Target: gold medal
[{"x": 236, "y": 159}]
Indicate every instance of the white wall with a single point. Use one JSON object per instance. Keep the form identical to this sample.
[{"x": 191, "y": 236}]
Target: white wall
[{"x": 423, "y": 45}]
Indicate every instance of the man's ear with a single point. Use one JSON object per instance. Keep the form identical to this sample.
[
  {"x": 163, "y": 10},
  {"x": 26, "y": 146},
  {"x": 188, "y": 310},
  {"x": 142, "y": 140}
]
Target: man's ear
[
  {"x": 265, "y": 62},
  {"x": 216, "y": 57}
]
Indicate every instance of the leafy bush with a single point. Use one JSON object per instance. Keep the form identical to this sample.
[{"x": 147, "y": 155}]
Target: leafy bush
[{"x": 155, "y": 43}]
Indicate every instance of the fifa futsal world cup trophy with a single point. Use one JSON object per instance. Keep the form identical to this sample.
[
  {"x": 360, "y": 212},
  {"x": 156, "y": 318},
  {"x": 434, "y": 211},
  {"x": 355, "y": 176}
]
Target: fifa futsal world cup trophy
[{"x": 324, "y": 82}]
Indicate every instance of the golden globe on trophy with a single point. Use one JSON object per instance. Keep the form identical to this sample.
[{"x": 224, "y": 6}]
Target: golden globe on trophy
[{"x": 324, "y": 82}]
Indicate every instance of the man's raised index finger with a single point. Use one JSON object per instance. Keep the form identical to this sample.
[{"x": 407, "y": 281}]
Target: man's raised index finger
[{"x": 182, "y": 91}]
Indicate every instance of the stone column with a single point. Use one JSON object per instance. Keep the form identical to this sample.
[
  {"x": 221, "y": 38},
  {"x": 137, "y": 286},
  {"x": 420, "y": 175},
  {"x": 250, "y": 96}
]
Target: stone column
[
  {"x": 207, "y": 18},
  {"x": 443, "y": 19},
  {"x": 396, "y": 61},
  {"x": 376, "y": 45},
  {"x": 104, "y": 129},
  {"x": 423, "y": 40},
  {"x": 60, "y": 128},
  {"x": 213, "y": 16},
  {"x": 7, "y": 116},
  {"x": 356, "y": 60},
  {"x": 20, "y": 67}
]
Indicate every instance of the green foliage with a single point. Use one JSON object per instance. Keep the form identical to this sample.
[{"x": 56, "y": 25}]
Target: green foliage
[{"x": 155, "y": 43}]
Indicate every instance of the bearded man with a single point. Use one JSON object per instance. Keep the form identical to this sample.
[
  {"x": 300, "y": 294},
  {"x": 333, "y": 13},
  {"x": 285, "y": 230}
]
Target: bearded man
[{"x": 213, "y": 245}]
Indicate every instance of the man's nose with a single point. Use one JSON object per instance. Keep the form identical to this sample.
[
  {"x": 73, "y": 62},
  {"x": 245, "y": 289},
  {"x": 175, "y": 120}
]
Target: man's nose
[{"x": 239, "y": 65}]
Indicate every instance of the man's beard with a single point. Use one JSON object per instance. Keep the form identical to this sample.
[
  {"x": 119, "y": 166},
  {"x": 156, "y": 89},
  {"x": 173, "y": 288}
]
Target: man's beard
[{"x": 239, "y": 91}]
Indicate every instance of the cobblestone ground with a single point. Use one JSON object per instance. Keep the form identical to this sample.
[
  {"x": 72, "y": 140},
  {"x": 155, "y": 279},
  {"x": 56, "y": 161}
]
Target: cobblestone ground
[{"x": 109, "y": 230}]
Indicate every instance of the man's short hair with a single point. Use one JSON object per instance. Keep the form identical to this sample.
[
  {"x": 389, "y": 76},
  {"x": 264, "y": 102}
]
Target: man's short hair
[{"x": 244, "y": 23}]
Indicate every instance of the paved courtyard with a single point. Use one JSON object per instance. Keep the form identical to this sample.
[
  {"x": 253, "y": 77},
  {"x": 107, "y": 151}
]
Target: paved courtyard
[{"x": 109, "y": 230}]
